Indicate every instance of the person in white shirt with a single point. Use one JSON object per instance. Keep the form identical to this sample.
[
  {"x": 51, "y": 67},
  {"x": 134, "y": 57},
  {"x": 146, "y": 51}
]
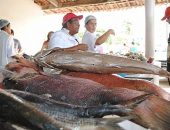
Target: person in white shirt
[
  {"x": 7, "y": 50},
  {"x": 90, "y": 37},
  {"x": 17, "y": 44},
  {"x": 65, "y": 38}
]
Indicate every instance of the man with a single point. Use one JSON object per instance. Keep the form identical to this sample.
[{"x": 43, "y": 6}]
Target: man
[
  {"x": 167, "y": 15},
  {"x": 65, "y": 38},
  {"x": 17, "y": 44},
  {"x": 7, "y": 50},
  {"x": 167, "y": 18},
  {"x": 90, "y": 37}
]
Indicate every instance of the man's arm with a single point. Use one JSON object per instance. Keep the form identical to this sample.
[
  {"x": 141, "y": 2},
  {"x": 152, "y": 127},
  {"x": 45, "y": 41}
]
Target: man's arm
[
  {"x": 82, "y": 47},
  {"x": 104, "y": 37},
  {"x": 19, "y": 47}
]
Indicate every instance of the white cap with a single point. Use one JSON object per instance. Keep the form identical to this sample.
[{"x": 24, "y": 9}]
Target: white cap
[
  {"x": 3, "y": 23},
  {"x": 90, "y": 17}
]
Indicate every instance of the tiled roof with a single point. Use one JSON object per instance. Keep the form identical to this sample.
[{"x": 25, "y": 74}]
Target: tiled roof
[{"x": 64, "y": 6}]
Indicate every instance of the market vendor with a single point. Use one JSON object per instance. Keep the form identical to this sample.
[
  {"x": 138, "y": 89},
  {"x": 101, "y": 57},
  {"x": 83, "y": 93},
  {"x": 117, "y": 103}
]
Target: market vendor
[
  {"x": 65, "y": 38},
  {"x": 167, "y": 18}
]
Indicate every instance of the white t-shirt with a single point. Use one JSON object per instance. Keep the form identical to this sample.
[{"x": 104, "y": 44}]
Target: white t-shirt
[
  {"x": 89, "y": 39},
  {"x": 62, "y": 39},
  {"x": 6, "y": 48}
]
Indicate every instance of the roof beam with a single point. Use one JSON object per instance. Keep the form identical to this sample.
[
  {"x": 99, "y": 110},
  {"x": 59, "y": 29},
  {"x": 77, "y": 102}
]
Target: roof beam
[
  {"x": 81, "y": 2},
  {"x": 72, "y": 3},
  {"x": 115, "y": 3},
  {"x": 127, "y": 1},
  {"x": 54, "y": 3},
  {"x": 139, "y": 2},
  {"x": 89, "y": 5}
]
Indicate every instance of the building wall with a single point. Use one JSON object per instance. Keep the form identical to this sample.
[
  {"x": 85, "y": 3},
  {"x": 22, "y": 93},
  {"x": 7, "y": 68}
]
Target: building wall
[{"x": 29, "y": 22}]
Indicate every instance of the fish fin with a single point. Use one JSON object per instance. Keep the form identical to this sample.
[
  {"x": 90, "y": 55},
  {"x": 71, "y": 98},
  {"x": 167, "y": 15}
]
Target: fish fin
[
  {"x": 47, "y": 65},
  {"x": 115, "y": 127},
  {"x": 112, "y": 122},
  {"x": 6, "y": 73},
  {"x": 154, "y": 113},
  {"x": 137, "y": 100},
  {"x": 44, "y": 53}
]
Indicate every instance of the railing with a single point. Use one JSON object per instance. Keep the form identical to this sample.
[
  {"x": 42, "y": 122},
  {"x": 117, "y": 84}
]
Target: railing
[{"x": 163, "y": 64}]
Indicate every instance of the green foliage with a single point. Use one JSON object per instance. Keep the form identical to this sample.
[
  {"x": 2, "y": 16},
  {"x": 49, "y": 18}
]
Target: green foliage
[
  {"x": 100, "y": 32},
  {"x": 128, "y": 27}
]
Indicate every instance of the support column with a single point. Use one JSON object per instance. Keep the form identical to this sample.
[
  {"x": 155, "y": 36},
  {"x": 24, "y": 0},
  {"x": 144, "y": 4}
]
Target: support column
[
  {"x": 150, "y": 34},
  {"x": 149, "y": 28}
]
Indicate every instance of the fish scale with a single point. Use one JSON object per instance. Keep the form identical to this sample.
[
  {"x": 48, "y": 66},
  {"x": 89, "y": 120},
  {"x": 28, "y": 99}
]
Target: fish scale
[{"x": 74, "y": 90}]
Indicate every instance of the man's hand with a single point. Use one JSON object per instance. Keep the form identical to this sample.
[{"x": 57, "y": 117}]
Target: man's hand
[
  {"x": 17, "y": 56},
  {"x": 111, "y": 31},
  {"x": 82, "y": 47}
]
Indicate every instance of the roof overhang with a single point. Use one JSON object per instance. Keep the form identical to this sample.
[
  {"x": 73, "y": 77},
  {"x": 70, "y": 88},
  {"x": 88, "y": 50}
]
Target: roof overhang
[{"x": 64, "y": 6}]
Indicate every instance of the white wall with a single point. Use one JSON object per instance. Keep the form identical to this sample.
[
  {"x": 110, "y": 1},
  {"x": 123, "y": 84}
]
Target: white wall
[{"x": 29, "y": 22}]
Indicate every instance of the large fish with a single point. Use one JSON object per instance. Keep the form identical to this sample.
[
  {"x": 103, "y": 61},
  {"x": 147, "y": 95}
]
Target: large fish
[
  {"x": 111, "y": 81},
  {"x": 54, "y": 108},
  {"x": 72, "y": 90},
  {"x": 95, "y": 63},
  {"x": 66, "y": 116},
  {"x": 86, "y": 92}
]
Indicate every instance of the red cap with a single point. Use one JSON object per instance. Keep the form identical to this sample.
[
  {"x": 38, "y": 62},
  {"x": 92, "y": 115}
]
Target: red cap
[
  {"x": 167, "y": 13},
  {"x": 69, "y": 16}
]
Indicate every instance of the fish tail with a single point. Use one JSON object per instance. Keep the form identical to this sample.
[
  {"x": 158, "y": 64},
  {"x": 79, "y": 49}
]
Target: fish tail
[
  {"x": 164, "y": 73},
  {"x": 154, "y": 113}
]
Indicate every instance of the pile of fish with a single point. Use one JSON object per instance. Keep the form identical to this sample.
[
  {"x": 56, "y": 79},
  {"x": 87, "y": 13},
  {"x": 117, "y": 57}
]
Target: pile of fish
[
  {"x": 38, "y": 113},
  {"x": 84, "y": 93}
]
